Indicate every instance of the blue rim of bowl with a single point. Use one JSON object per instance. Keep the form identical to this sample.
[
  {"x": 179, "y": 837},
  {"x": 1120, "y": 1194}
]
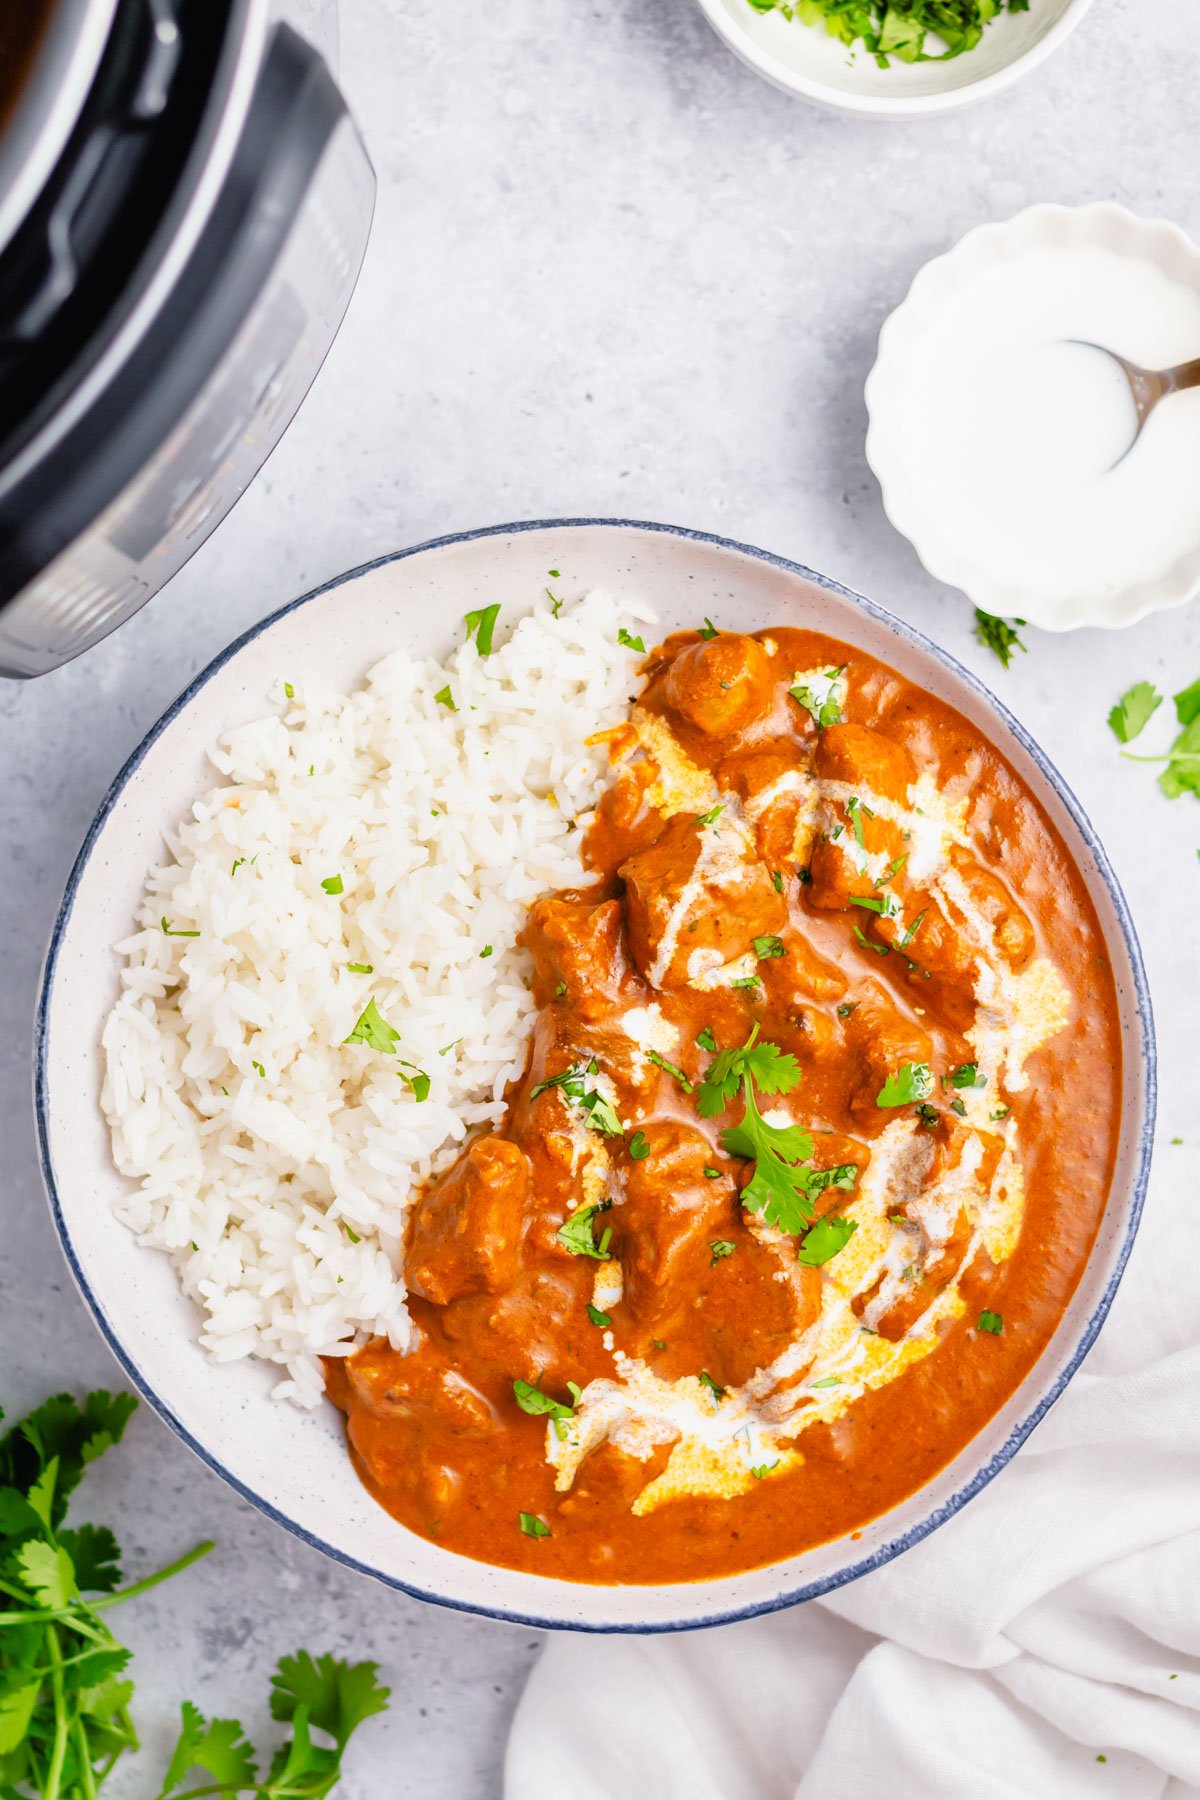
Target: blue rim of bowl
[{"x": 810, "y": 1590}]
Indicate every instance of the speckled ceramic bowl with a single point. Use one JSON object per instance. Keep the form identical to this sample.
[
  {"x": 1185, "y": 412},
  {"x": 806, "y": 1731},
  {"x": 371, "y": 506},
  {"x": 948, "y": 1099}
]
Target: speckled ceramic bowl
[{"x": 292, "y": 1464}]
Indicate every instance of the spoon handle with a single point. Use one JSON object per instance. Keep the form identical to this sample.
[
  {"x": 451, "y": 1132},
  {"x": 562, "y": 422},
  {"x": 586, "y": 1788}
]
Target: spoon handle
[{"x": 1184, "y": 375}]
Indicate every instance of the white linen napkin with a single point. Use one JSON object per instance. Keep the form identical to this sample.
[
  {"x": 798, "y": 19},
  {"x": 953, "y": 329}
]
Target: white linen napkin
[{"x": 1043, "y": 1644}]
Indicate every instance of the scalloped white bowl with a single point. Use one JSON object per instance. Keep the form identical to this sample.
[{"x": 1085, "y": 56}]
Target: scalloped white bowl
[
  {"x": 292, "y": 1464},
  {"x": 805, "y": 61},
  {"x": 1105, "y": 225}
]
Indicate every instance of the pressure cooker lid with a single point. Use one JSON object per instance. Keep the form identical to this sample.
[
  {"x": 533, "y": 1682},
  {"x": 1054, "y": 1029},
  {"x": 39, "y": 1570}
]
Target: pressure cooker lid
[{"x": 50, "y": 51}]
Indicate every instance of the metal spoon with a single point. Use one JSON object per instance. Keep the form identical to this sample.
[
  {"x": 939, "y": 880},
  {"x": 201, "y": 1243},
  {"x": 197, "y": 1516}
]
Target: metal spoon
[{"x": 1149, "y": 386}]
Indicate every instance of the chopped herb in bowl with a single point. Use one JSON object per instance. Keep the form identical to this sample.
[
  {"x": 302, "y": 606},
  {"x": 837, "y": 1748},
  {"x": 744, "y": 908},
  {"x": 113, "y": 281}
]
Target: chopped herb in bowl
[{"x": 910, "y": 30}]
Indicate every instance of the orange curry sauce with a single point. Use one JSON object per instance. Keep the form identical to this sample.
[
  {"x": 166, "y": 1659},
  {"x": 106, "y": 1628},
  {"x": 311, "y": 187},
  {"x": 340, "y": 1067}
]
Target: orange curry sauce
[{"x": 497, "y": 1296}]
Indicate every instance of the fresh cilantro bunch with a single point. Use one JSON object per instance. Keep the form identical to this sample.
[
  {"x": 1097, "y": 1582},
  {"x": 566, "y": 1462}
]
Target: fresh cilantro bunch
[
  {"x": 64, "y": 1699},
  {"x": 324, "y": 1695},
  {"x": 899, "y": 28},
  {"x": 781, "y": 1189},
  {"x": 64, "y": 1694}
]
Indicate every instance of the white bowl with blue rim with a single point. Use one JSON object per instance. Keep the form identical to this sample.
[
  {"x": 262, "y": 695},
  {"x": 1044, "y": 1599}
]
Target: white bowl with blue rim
[
  {"x": 805, "y": 61},
  {"x": 292, "y": 1464}
]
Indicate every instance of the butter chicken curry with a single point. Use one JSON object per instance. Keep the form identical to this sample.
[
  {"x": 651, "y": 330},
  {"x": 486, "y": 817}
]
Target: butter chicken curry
[{"x": 814, "y": 1138}]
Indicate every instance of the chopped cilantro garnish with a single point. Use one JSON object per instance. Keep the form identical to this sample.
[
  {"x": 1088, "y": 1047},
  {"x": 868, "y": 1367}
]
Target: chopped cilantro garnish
[
  {"x": 531, "y": 1399},
  {"x": 445, "y": 698},
  {"x": 289, "y": 690},
  {"x": 720, "y": 1247},
  {"x": 705, "y": 1039},
  {"x": 708, "y": 630},
  {"x": 486, "y": 951},
  {"x": 804, "y": 877},
  {"x": 856, "y": 812},
  {"x": 669, "y": 1068},
  {"x": 601, "y": 1115},
  {"x": 823, "y": 1242},
  {"x": 892, "y": 870},
  {"x": 706, "y": 1380},
  {"x": 236, "y": 864},
  {"x": 958, "y": 1106},
  {"x": 630, "y": 642},
  {"x": 901, "y": 31},
  {"x": 639, "y": 1146},
  {"x": 886, "y": 906},
  {"x": 258, "y": 1066},
  {"x": 910, "y": 1083},
  {"x": 912, "y": 931},
  {"x": 846, "y": 1008},
  {"x": 747, "y": 981},
  {"x": 927, "y": 1115},
  {"x": 761, "y": 1469},
  {"x": 711, "y": 1174},
  {"x": 169, "y": 931},
  {"x": 827, "y": 1381},
  {"x": 998, "y": 635},
  {"x": 332, "y": 884},
  {"x": 361, "y": 968},
  {"x": 482, "y": 624},
  {"x": 560, "y": 991},
  {"x": 777, "y": 880},
  {"x": 991, "y": 1321},
  {"x": 576, "y": 1234},
  {"x": 372, "y": 1029},
  {"x": 600, "y": 1319},
  {"x": 1133, "y": 711},
  {"x": 418, "y": 1083},
  {"x": 967, "y": 1076},
  {"x": 870, "y": 944},
  {"x": 532, "y": 1526},
  {"x": 707, "y": 818},
  {"x": 351, "y": 1233},
  {"x": 818, "y": 696},
  {"x": 999, "y": 1112},
  {"x": 556, "y": 604},
  {"x": 767, "y": 947},
  {"x": 553, "y": 574}
]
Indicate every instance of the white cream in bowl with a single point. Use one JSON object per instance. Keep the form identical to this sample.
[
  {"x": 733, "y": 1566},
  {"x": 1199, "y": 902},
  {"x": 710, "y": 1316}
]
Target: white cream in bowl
[{"x": 1005, "y": 445}]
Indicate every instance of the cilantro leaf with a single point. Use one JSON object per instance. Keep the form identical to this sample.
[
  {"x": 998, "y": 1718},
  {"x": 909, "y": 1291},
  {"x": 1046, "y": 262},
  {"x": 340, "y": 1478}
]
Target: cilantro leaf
[
  {"x": 669, "y": 1068},
  {"x": 373, "y": 1030},
  {"x": 532, "y": 1526},
  {"x": 445, "y": 698},
  {"x": 911, "y": 1082},
  {"x": 1134, "y": 711},
  {"x": 708, "y": 630},
  {"x": 706, "y": 1040},
  {"x": 1187, "y": 703},
  {"x": 819, "y": 696},
  {"x": 577, "y": 1236},
  {"x": 531, "y": 1400},
  {"x": 48, "y": 1572},
  {"x": 991, "y": 1321},
  {"x": 773, "y": 1070},
  {"x": 630, "y": 642},
  {"x": 967, "y": 1076},
  {"x": 639, "y": 1146},
  {"x": 706, "y": 1380},
  {"x": 96, "y": 1558},
  {"x": 823, "y": 1242},
  {"x": 767, "y": 947},
  {"x": 720, "y": 1247},
  {"x": 337, "y": 1695},
  {"x": 333, "y": 884},
  {"x": 481, "y": 625},
  {"x": 998, "y": 635},
  {"x": 218, "y": 1746},
  {"x": 601, "y": 1320}
]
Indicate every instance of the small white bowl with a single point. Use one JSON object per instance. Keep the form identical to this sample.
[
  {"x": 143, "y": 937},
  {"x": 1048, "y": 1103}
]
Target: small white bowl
[
  {"x": 804, "y": 60},
  {"x": 293, "y": 1465},
  {"x": 1104, "y": 226}
]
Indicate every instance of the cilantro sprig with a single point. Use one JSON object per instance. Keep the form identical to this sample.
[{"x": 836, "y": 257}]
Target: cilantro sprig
[
  {"x": 1182, "y": 773},
  {"x": 65, "y": 1717},
  {"x": 65, "y": 1696},
  {"x": 1133, "y": 711},
  {"x": 575, "y": 1083},
  {"x": 782, "y": 1189},
  {"x": 308, "y": 1694},
  {"x": 998, "y": 635}
]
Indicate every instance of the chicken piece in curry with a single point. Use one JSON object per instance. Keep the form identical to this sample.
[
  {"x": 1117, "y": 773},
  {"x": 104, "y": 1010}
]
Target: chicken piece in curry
[{"x": 813, "y": 1141}]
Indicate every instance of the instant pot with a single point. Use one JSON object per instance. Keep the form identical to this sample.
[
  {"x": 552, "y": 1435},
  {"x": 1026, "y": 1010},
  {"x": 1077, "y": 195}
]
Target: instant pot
[{"x": 184, "y": 208}]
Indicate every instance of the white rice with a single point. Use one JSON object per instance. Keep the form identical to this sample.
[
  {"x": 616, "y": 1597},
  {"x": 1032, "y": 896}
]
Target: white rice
[{"x": 259, "y": 1140}]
